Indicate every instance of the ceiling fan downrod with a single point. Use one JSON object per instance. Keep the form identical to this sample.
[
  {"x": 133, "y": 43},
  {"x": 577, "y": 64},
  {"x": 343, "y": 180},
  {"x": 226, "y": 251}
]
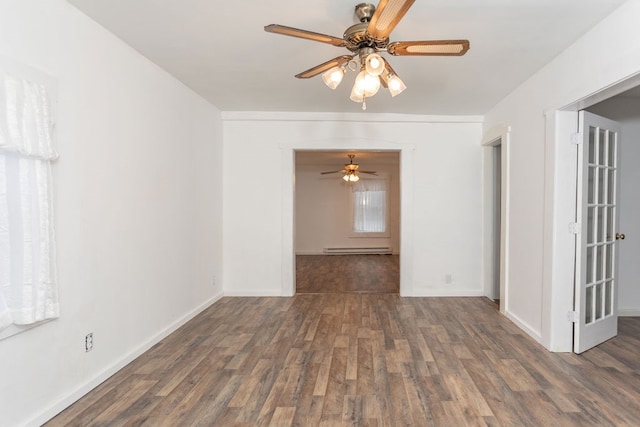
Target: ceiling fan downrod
[{"x": 364, "y": 12}]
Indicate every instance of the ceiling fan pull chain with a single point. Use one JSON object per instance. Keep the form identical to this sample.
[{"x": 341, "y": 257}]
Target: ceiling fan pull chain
[{"x": 364, "y": 103}]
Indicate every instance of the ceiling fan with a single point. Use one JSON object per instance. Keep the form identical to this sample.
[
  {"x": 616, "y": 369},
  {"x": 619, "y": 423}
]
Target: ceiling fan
[
  {"x": 365, "y": 40},
  {"x": 350, "y": 170}
]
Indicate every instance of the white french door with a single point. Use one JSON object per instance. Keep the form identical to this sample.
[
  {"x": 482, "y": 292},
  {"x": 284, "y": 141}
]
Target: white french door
[{"x": 596, "y": 287}]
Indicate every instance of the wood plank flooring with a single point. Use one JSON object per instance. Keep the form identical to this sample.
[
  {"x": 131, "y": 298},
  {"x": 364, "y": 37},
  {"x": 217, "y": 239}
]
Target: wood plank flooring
[
  {"x": 365, "y": 360},
  {"x": 348, "y": 273}
]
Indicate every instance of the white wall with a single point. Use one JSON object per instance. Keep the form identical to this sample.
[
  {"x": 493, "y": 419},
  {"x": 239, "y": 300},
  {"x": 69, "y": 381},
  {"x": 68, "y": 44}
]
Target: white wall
[
  {"x": 137, "y": 213},
  {"x": 323, "y": 214},
  {"x": 626, "y": 111},
  {"x": 537, "y": 299},
  {"x": 441, "y": 193}
]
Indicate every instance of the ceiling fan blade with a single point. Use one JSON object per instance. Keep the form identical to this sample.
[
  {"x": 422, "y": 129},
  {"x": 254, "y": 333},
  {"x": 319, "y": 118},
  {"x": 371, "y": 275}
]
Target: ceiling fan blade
[
  {"x": 369, "y": 172},
  {"x": 324, "y": 173},
  {"x": 387, "y": 15},
  {"x": 383, "y": 82},
  {"x": 303, "y": 34},
  {"x": 324, "y": 66},
  {"x": 429, "y": 48}
]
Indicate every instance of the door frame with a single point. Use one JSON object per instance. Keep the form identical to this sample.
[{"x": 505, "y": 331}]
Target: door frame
[
  {"x": 560, "y": 183},
  {"x": 383, "y": 176},
  {"x": 406, "y": 187},
  {"x": 497, "y": 136}
]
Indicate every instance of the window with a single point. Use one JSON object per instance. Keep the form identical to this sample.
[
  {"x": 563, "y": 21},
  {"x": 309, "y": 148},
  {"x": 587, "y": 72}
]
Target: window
[
  {"x": 28, "y": 288},
  {"x": 370, "y": 213}
]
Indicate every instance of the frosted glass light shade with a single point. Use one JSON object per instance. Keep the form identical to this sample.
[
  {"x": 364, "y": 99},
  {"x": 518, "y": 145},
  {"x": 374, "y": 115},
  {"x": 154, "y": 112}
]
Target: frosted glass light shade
[
  {"x": 374, "y": 64},
  {"x": 356, "y": 96},
  {"x": 367, "y": 84},
  {"x": 333, "y": 77},
  {"x": 395, "y": 85},
  {"x": 351, "y": 177}
]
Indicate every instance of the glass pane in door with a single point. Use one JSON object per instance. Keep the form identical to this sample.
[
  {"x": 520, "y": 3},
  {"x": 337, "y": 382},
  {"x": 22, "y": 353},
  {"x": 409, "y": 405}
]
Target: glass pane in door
[
  {"x": 608, "y": 298},
  {"x": 602, "y": 147},
  {"x": 599, "y": 226},
  {"x": 610, "y": 217},
  {"x": 590, "y": 219},
  {"x": 602, "y": 187},
  {"x": 599, "y": 301},
  {"x": 599, "y": 261},
  {"x": 591, "y": 189},
  {"x": 588, "y": 312},
  {"x": 611, "y": 186},
  {"x": 612, "y": 150},
  {"x": 589, "y": 265},
  {"x": 592, "y": 146},
  {"x": 609, "y": 263}
]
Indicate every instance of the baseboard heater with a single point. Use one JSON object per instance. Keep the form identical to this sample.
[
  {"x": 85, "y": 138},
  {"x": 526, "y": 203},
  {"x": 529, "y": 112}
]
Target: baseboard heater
[{"x": 358, "y": 251}]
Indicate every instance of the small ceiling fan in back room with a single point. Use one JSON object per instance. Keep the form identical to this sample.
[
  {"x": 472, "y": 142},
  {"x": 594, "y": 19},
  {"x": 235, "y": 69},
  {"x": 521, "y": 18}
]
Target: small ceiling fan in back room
[
  {"x": 350, "y": 171},
  {"x": 366, "y": 40}
]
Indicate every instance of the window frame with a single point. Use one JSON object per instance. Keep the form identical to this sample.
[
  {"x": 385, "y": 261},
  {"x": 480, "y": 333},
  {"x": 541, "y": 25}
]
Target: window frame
[
  {"x": 50, "y": 83},
  {"x": 352, "y": 210}
]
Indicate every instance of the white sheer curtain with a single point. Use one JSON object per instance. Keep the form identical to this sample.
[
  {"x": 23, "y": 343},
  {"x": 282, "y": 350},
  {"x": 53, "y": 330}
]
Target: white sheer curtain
[
  {"x": 28, "y": 288},
  {"x": 370, "y": 206}
]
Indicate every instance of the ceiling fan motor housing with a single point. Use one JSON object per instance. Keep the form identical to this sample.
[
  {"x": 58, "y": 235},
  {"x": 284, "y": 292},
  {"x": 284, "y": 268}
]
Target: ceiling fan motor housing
[{"x": 356, "y": 35}]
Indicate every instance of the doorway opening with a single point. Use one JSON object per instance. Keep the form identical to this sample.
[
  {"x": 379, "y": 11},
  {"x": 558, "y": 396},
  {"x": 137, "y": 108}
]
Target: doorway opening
[
  {"x": 496, "y": 181},
  {"x": 347, "y": 234},
  {"x": 625, "y": 109},
  {"x": 619, "y": 103},
  {"x": 497, "y": 191},
  {"x": 605, "y": 211}
]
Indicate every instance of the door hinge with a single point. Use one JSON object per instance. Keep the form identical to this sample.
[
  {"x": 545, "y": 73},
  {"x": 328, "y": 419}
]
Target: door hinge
[
  {"x": 572, "y": 316},
  {"x": 575, "y": 228},
  {"x": 576, "y": 138}
]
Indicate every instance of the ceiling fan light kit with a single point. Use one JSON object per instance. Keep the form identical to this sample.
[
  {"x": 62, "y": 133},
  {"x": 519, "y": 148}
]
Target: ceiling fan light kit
[
  {"x": 350, "y": 171},
  {"x": 365, "y": 40},
  {"x": 351, "y": 177}
]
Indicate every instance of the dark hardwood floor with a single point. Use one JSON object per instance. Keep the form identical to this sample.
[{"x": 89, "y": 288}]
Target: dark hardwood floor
[
  {"x": 348, "y": 273},
  {"x": 356, "y": 359}
]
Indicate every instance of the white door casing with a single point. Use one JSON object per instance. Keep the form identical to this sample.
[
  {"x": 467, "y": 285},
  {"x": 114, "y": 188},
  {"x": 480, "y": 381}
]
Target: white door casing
[{"x": 595, "y": 301}]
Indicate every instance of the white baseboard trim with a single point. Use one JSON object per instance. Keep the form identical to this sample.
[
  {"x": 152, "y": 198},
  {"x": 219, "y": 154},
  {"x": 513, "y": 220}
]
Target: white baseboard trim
[
  {"x": 526, "y": 328},
  {"x": 65, "y": 402},
  {"x": 628, "y": 312},
  {"x": 321, "y": 252},
  {"x": 256, "y": 294},
  {"x": 426, "y": 293}
]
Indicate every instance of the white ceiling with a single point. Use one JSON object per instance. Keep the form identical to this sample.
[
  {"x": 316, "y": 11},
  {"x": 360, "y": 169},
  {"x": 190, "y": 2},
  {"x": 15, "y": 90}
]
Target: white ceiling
[{"x": 220, "y": 50}]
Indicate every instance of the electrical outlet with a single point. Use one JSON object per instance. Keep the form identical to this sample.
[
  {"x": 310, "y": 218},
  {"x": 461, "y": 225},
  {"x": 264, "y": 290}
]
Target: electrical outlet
[
  {"x": 88, "y": 342},
  {"x": 448, "y": 279}
]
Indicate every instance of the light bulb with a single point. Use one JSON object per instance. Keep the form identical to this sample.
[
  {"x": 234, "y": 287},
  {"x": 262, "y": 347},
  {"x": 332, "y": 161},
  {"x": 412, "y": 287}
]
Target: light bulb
[
  {"x": 345, "y": 177},
  {"x": 333, "y": 77},
  {"x": 374, "y": 64},
  {"x": 395, "y": 85}
]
